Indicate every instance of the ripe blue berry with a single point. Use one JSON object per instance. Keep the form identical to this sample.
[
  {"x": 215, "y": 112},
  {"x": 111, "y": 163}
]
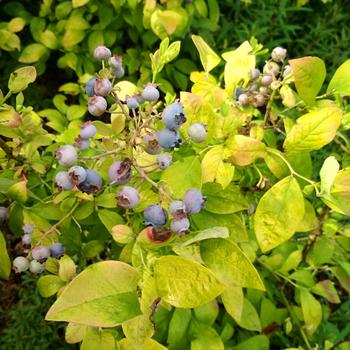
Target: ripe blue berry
[
  {"x": 178, "y": 209},
  {"x": 63, "y": 181},
  {"x": 118, "y": 72},
  {"x": 278, "y": 54},
  {"x": 155, "y": 215},
  {"x": 128, "y": 197},
  {"x": 20, "y": 264},
  {"x": 164, "y": 160},
  {"x": 77, "y": 174},
  {"x": 102, "y": 53},
  {"x": 40, "y": 253},
  {"x": 36, "y": 267},
  {"x": 92, "y": 183},
  {"x": 102, "y": 87},
  {"x": 97, "y": 105},
  {"x": 67, "y": 155},
  {"x": 194, "y": 201},
  {"x": 89, "y": 87},
  {"x": 150, "y": 93},
  {"x": 28, "y": 228},
  {"x": 27, "y": 239},
  {"x": 82, "y": 143},
  {"x": 3, "y": 214},
  {"x": 180, "y": 226},
  {"x": 87, "y": 130},
  {"x": 197, "y": 132},
  {"x": 132, "y": 102},
  {"x": 120, "y": 172},
  {"x": 169, "y": 139},
  {"x": 151, "y": 143},
  {"x": 116, "y": 63},
  {"x": 173, "y": 116},
  {"x": 57, "y": 250}
]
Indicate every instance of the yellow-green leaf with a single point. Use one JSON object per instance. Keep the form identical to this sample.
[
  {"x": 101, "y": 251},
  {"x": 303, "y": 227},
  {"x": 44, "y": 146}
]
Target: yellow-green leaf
[
  {"x": 208, "y": 57},
  {"x": 138, "y": 329},
  {"x": 233, "y": 299},
  {"x": 67, "y": 268},
  {"x": 49, "y": 285},
  {"x": 340, "y": 82},
  {"x": 309, "y": 221},
  {"x": 279, "y": 212},
  {"x": 312, "y": 311},
  {"x": 5, "y": 263},
  {"x": 328, "y": 173},
  {"x": 21, "y": 78},
  {"x": 250, "y": 319},
  {"x": 79, "y": 3},
  {"x": 18, "y": 192},
  {"x": 32, "y": 53},
  {"x": 74, "y": 333},
  {"x": 97, "y": 339}
]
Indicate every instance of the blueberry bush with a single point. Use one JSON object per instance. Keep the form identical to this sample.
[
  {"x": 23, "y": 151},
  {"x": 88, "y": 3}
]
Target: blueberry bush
[{"x": 214, "y": 218}]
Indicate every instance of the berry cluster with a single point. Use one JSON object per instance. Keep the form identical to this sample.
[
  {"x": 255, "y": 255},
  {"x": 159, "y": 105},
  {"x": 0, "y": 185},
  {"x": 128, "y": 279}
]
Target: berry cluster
[
  {"x": 36, "y": 257},
  {"x": 258, "y": 90}
]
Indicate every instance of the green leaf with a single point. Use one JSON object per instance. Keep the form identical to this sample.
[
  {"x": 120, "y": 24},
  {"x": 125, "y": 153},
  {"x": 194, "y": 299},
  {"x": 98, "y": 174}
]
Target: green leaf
[
  {"x": 182, "y": 175},
  {"x": 233, "y": 299},
  {"x": 207, "y": 56},
  {"x": 279, "y": 212},
  {"x": 79, "y": 3},
  {"x": 149, "y": 344},
  {"x": 18, "y": 192},
  {"x": 312, "y": 311},
  {"x": 213, "y": 232},
  {"x": 102, "y": 295},
  {"x": 230, "y": 264},
  {"x": 258, "y": 342},
  {"x": 49, "y": 39},
  {"x": 207, "y": 313},
  {"x": 328, "y": 173},
  {"x": 32, "y": 53},
  {"x": 327, "y": 290},
  {"x": 250, "y": 319},
  {"x": 138, "y": 329},
  {"x": 178, "y": 329},
  {"x": 96, "y": 339},
  {"x": 204, "y": 337},
  {"x": 171, "y": 52},
  {"x": 5, "y": 263},
  {"x": 76, "y": 112},
  {"x": 185, "y": 283},
  {"x": 49, "y": 285},
  {"x": 313, "y": 130},
  {"x": 309, "y": 74},
  {"x": 21, "y": 78},
  {"x": 340, "y": 82},
  {"x": 72, "y": 37},
  {"x": 109, "y": 218},
  {"x": 309, "y": 221}
]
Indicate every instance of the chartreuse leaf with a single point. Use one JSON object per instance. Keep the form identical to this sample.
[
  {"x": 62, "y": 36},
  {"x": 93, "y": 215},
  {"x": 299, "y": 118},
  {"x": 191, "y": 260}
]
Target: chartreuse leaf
[
  {"x": 49, "y": 285},
  {"x": 313, "y": 130},
  {"x": 185, "y": 283},
  {"x": 327, "y": 290},
  {"x": 208, "y": 57},
  {"x": 138, "y": 329},
  {"x": 258, "y": 342},
  {"x": 230, "y": 264},
  {"x": 5, "y": 263},
  {"x": 21, "y": 78},
  {"x": 212, "y": 232},
  {"x": 233, "y": 299},
  {"x": 309, "y": 74},
  {"x": 178, "y": 328},
  {"x": 309, "y": 221},
  {"x": 32, "y": 53},
  {"x": 96, "y": 339},
  {"x": 74, "y": 333},
  {"x": 250, "y": 319},
  {"x": 149, "y": 344},
  {"x": 340, "y": 82},
  {"x": 328, "y": 173},
  {"x": 103, "y": 295},
  {"x": 18, "y": 192},
  {"x": 312, "y": 311},
  {"x": 279, "y": 213},
  {"x": 182, "y": 175},
  {"x": 239, "y": 63},
  {"x": 204, "y": 337}
]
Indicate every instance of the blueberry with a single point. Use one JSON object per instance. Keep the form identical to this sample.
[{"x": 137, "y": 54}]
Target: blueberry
[
  {"x": 67, "y": 155},
  {"x": 180, "y": 226},
  {"x": 164, "y": 160},
  {"x": 77, "y": 174},
  {"x": 36, "y": 267},
  {"x": 128, "y": 197},
  {"x": 89, "y": 87},
  {"x": 178, "y": 209},
  {"x": 82, "y": 144},
  {"x": 194, "y": 201},
  {"x": 63, "y": 181},
  {"x": 27, "y": 238},
  {"x": 40, "y": 253},
  {"x": 102, "y": 87},
  {"x": 102, "y": 53},
  {"x": 92, "y": 183},
  {"x": 120, "y": 172},
  {"x": 173, "y": 116},
  {"x": 237, "y": 92},
  {"x": 197, "y": 132},
  {"x": 3, "y": 214},
  {"x": 255, "y": 73},
  {"x": 150, "y": 93},
  {"x": 151, "y": 142},
  {"x": 118, "y": 72},
  {"x": 243, "y": 99},
  {"x": 155, "y": 215},
  {"x": 266, "y": 79},
  {"x": 169, "y": 139},
  {"x": 97, "y": 105},
  {"x": 20, "y": 264},
  {"x": 116, "y": 61},
  {"x": 28, "y": 228},
  {"x": 57, "y": 250},
  {"x": 278, "y": 54},
  {"x": 132, "y": 102},
  {"x": 87, "y": 130}
]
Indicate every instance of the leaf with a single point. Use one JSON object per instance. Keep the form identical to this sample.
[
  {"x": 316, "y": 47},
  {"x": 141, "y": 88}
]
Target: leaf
[
  {"x": 279, "y": 212},
  {"x": 49, "y": 285},
  {"x": 74, "y": 333},
  {"x": 5, "y": 263},
  {"x": 328, "y": 173},
  {"x": 233, "y": 299},
  {"x": 18, "y": 192},
  {"x": 313, "y": 130},
  {"x": 207, "y": 56},
  {"x": 239, "y": 64},
  {"x": 102, "y": 295},
  {"x": 245, "y": 150},
  {"x": 250, "y": 319},
  {"x": 138, "y": 329},
  {"x": 340, "y": 82},
  {"x": 204, "y": 337},
  {"x": 312, "y": 311},
  {"x": 309, "y": 74},
  {"x": 230, "y": 264},
  {"x": 76, "y": 112},
  {"x": 79, "y": 3},
  {"x": 309, "y": 221},
  {"x": 32, "y": 53},
  {"x": 182, "y": 175},
  {"x": 178, "y": 329},
  {"x": 21, "y": 78},
  {"x": 213, "y": 232},
  {"x": 185, "y": 283},
  {"x": 327, "y": 290},
  {"x": 67, "y": 268},
  {"x": 96, "y": 339},
  {"x": 109, "y": 218},
  {"x": 257, "y": 342},
  {"x": 149, "y": 344}
]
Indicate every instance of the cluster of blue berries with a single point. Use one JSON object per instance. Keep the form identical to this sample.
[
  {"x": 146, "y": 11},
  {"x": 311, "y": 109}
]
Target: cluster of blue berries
[
  {"x": 192, "y": 203},
  {"x": 35, "y": 260},
  {"x": 261, "y": 85}
]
